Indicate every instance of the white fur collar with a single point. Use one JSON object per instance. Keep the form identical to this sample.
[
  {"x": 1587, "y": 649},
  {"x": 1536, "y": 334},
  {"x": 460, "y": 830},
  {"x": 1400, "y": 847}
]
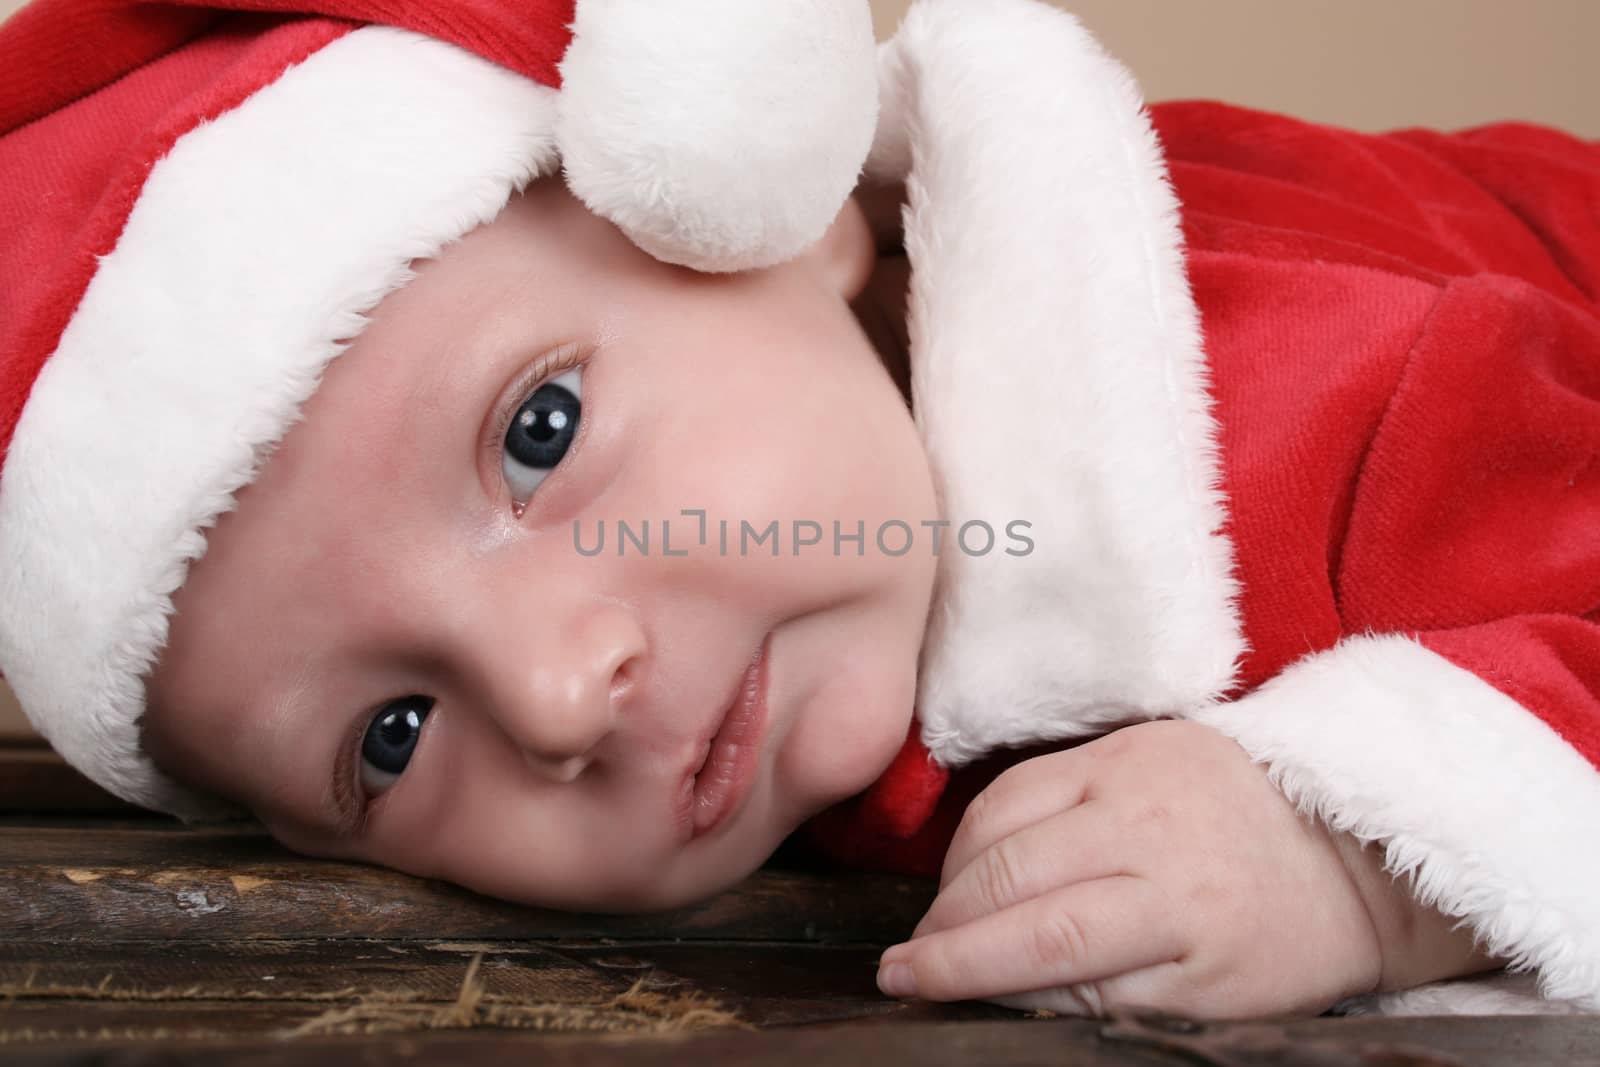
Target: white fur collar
[{"x": 1058, "y": 378}]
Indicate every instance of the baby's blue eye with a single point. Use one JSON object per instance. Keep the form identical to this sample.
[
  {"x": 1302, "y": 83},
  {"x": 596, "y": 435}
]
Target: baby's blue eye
[
  {"x": 390, "y": 739},
  {"x": 540, "y": 433}
]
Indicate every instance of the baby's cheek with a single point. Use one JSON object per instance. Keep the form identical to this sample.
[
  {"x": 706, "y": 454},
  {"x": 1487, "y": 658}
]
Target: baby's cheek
[{"x": 847, "y": 733}]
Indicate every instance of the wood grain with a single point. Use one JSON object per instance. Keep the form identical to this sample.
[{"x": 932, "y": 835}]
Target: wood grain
[
  {"x": 141, "y": 882},
  {"x": 137, "y": 941},
  {"x": 1483, "y": 1042}
]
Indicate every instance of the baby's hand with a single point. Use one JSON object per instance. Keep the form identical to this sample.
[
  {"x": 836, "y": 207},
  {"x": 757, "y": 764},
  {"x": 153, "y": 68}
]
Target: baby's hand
[{"x": 1156, "y": 868}]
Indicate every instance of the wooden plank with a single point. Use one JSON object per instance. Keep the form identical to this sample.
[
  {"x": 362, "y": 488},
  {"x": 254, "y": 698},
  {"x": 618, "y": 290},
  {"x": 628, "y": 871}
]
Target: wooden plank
[
  {"x": 187, "y": 990},
  {"x": 295, "y": 970},
  {"x": 135, "y": 882},
  {"x": 158, "y": 1027},
  {"x": 763, "y": 984},
  {"x": 14, "y": 726},
  {"x": 1471, "y": 1042},
  {"x": 774, "y": 984},
  {"x": 29, "y": 1026},
  {"x": 34, "y": 779},
  {"x": 152, "y": 988}
]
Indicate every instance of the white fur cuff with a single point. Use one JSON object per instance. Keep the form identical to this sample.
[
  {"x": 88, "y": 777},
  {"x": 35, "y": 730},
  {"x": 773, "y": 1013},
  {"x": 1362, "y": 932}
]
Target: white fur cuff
[{"x": 1492, "y": 814}]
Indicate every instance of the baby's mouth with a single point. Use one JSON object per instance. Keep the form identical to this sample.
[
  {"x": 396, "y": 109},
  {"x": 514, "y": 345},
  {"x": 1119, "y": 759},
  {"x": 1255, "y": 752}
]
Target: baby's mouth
[{"x": 730, "y": 759}]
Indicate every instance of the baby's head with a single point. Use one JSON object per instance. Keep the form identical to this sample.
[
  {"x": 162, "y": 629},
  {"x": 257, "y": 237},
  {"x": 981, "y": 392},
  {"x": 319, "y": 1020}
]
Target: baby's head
[
  {"x": 419, "y": 547},
  {"x": 362, "y": 595}
]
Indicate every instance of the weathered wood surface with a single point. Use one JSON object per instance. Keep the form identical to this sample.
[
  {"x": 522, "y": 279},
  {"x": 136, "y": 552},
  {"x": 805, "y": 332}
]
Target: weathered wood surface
[
  {"x": 298, "y": 970},
  {"x": 147, "y": 880},
  {"x": 140, "y": 927},
  {"x": 34, "y": 780},
  {"x": 187, "y": 987},
  {"x": 1512, "y": 1042},
  {"x": 135, "y": 941}
]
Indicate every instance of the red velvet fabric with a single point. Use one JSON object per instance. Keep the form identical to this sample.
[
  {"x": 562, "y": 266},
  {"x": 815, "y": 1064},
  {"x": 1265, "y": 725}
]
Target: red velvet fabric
[
  {"x": 73, "y": 177},
  {"x": 94, "y": 92},
  {"x": 1403, "y": 332}
]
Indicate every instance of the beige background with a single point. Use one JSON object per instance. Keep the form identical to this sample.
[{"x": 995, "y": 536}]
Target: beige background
[{"x": 1371, "y": 64}]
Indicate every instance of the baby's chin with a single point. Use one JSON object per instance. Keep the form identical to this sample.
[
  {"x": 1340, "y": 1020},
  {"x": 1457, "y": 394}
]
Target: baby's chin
[
  {"x": 670, "y": 897},
  {"x": 674, "y": 877},
  {"x": 717, "y": 863}
]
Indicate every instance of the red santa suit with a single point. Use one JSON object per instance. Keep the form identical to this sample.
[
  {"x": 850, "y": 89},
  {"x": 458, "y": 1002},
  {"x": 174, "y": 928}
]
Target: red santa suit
[{"x": 1309, "y": 442}]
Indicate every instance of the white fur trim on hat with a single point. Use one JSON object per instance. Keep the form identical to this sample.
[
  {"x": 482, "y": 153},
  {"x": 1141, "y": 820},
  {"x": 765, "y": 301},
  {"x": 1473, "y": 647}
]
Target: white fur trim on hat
[
  {"x": 718, "y": 134},
  {"x": 172, "y": 376},
  {"x": 1484, "y": 807},
  {"x": 1058, "y": 380}
]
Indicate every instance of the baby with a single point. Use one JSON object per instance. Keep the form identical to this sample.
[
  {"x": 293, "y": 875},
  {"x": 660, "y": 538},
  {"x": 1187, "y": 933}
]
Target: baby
[{"x": 631, "y": 530}]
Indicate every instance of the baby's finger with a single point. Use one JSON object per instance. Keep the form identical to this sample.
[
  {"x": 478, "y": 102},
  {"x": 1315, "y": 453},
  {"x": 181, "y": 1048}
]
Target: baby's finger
[
  {"x": 1077, "y": 845},
  {"x": 1083, "y": 933},
  {"x": 1034, "y": 789},
  {"x": 1149, "y": 989}
]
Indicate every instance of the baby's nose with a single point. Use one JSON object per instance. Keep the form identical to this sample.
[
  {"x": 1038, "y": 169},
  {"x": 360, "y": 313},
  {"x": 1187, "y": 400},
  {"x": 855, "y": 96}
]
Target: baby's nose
[
  {"x": 560, "y": 772},
  {"x": 560, "y": 715},
  {"x": 557, "y": 698}
]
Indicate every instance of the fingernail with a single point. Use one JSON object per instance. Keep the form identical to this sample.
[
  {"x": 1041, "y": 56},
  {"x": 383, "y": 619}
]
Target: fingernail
[{"x": 896, "y": 980}]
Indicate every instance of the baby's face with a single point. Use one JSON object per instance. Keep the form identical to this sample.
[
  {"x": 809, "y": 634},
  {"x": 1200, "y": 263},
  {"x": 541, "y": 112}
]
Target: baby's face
[{"x": 394, "y": 651}]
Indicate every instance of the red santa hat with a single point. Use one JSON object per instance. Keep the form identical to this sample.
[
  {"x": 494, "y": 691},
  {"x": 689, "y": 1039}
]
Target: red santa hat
[{"x": 202, "y": 202}]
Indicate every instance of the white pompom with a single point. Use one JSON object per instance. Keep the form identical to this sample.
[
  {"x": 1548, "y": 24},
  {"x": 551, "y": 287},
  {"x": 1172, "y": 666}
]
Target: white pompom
[{"x": 719, "y": 134}]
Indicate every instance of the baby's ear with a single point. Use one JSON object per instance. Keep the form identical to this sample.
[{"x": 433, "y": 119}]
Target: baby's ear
[{"x": 847, "y": 253}]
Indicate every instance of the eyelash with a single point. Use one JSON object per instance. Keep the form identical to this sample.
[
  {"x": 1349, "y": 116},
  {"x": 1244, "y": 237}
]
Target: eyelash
[
  {"x": 350, "y": 798},
  {"x": 352, "y": 801}
]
